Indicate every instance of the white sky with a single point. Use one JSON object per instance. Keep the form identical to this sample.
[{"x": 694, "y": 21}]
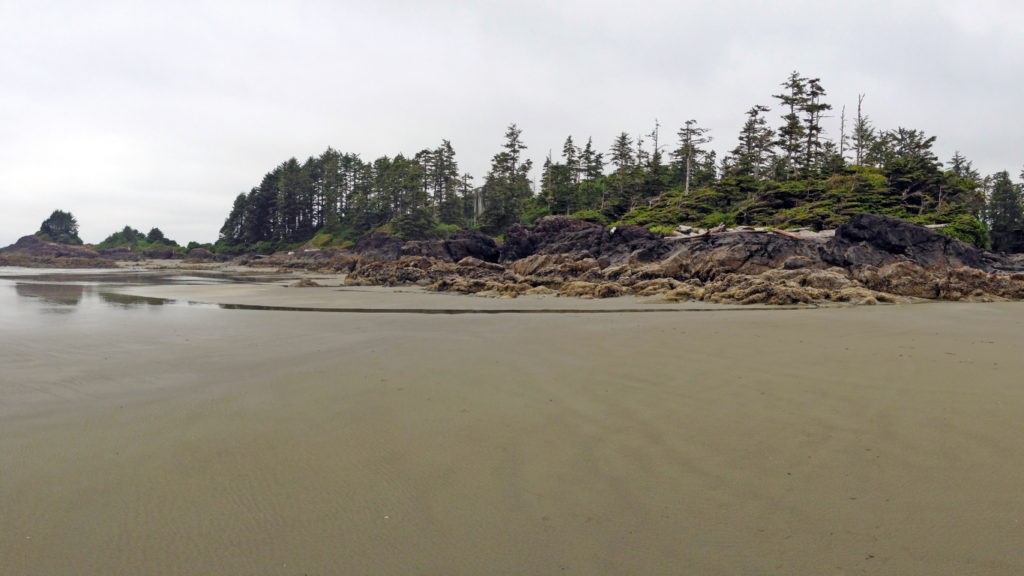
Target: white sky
[{"x": 159, "y": 113}]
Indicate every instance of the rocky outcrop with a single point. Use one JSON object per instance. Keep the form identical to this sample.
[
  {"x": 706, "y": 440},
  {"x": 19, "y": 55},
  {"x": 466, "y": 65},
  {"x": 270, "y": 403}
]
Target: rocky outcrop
[
  {"x": 872, "y": 259},
  {"x": 876, "y": 240},
  {"x": 379, "y": 246},
  {"x": 204, "y": 255},
  {"x": 465, "y": 243},
  {"x": 426, "y": 248},
  {"x": 568, "y": 236},
  {"x": 162, "y": 254},
  {"x": 468, "y": 243},
  {"x": 33, "y": 252},
  {"x": 35, "y": 247},
  {"x": 121, "y": 253},
  {"x": 744, "y": 253}
]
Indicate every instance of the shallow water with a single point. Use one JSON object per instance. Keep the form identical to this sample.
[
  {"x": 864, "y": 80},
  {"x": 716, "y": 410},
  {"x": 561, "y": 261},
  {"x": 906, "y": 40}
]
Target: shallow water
[
  {"x": 33, "y": 297},
  {"x": 148, "y": 428}
]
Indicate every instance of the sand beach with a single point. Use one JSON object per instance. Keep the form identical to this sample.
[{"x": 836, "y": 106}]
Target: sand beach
[{"x": 154, "y": 431}]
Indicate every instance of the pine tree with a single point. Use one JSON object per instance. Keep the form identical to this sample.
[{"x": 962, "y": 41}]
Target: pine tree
[
  {"x": 812, "y": 108},
  {"x": 330, "y": 191},
  {"x": 288, "y": 201},
  {"x": 61, "y": 227},
  {"x": 792, "y": 132},
  {"x": 1005, "y": 213},
  {"x": 507, "y": 187},
  {"x": 691, "y": 137},
  {"x": 571, "y": 153},
  {"x": 234, "y": 227},
  {"x": 622, "y": 158},
  {"x": 755, "y": 145},
  {"x": 863, "y": 134}
]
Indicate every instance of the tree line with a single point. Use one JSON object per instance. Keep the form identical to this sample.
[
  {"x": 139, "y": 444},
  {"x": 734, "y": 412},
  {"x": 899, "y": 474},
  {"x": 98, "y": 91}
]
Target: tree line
[{"x": 790, "y": 173}]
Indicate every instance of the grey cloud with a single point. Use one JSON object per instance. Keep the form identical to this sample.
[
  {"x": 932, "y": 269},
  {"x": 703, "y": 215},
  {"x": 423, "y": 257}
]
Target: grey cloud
[{"x": 158, "y": 113}]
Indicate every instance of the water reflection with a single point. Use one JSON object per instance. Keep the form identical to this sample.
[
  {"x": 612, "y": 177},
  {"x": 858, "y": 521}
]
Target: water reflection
[
  {"x": 58, "y": 294},
  {"x": 31, "y": 292},
  {"x": 130, "y": 301}
]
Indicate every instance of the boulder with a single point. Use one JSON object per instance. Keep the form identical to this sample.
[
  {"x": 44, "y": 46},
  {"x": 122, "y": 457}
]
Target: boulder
[
  {"x": 578, "y": 289},
  {"x": 200, "y": 254},
  {"x": 159, "y": 254},
  {"x": 426, "y": 248},
  {"x": 379, "y": 246},
  {"x": 610, "y": 290},
  {"x": 877, "y": 240},
  {"x": 469, "y": 243}
]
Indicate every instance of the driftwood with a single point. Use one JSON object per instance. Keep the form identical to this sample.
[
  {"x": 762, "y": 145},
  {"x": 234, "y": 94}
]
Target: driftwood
[{"x": 781, "y": 233}]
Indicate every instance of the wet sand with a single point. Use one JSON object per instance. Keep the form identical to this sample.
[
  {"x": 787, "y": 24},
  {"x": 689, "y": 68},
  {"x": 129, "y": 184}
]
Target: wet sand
[{"x": 193, "y": 439}]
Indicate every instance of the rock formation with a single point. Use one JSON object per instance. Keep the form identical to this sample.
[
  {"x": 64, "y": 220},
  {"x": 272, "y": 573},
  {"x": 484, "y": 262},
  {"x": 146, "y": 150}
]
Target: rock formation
[
  {"x": 31, "y": 251},
  {"x": 871, "y": 259}
]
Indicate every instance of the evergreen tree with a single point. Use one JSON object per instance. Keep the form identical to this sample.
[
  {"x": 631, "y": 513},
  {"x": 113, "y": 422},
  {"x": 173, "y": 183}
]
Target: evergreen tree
[
  {"x": 155, "y": 236},
  {"x": 792, "y": 132},
  {"x": 812, "y": 108},
  {"x": 623, "y": 160},
  {"x": 446, "y": 185},
  {"x": 753, "y": 153},
  {"x": 288, "y": 201},
  {"x": 329, "y": 188},
  {"x": 863, "y": 134},
  {"x": 691, "y": 138},
  {"x": 1005, "y": 214},
  {"x": 507, "y": 186},
  {"x": 61, "y": 227},
  {"x": 571, "y": 153}
]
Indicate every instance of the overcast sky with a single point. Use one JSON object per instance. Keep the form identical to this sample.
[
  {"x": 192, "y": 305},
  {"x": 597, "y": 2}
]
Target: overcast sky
[{"x": 159, "y": 113}]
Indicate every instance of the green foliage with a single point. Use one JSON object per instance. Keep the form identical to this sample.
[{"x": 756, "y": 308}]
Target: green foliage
[
  {"x": 507, "y": 187},
  {"x": 416, "y": 225},
  {"x": 323, "y": 238},
  {"x": 784, "y": 172},
  {"x": 131, "y": 238},
  {"x": 193, "y": 245},
  {"x": 591, "y": 216},
  {"x": 1005, "y": 213},
  {"x": 815, "y": 203},
  {"x": 61, "y": 227},
  {"x": 155, "y": 236},
  {"x": 661, "y": 229},
  {"x": 443, "y": 231},
  {"x": 536, "y": 209},
  {"x": 967, "y": 228}
]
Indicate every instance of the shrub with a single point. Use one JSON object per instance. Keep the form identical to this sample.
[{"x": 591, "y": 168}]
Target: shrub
[{"x": 591, "y": 216}]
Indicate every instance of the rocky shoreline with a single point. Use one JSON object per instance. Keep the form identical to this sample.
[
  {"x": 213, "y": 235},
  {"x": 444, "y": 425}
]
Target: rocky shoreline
[{"x": 871, "y": 259}]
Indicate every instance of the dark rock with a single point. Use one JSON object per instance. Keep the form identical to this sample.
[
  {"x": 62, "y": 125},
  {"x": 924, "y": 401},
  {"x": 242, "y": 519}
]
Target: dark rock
[
  {"x": 474, "y": 244},
  {"x": 427, "y": 249},
  {"x": 876, "y": 240},
  {"x": 34, "y": 247},
  {"x": 379, "y": 246},
  {"x": 159, "y": 254},
  {"x": 739, "y": 253},
  {"x": 470, "y": 262},
  {"x": 121, "y": 253},
  {"x": 797, "y": 262},
  {"x": 200, "y": 254},
  {"x": 579, "y": 239}
]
